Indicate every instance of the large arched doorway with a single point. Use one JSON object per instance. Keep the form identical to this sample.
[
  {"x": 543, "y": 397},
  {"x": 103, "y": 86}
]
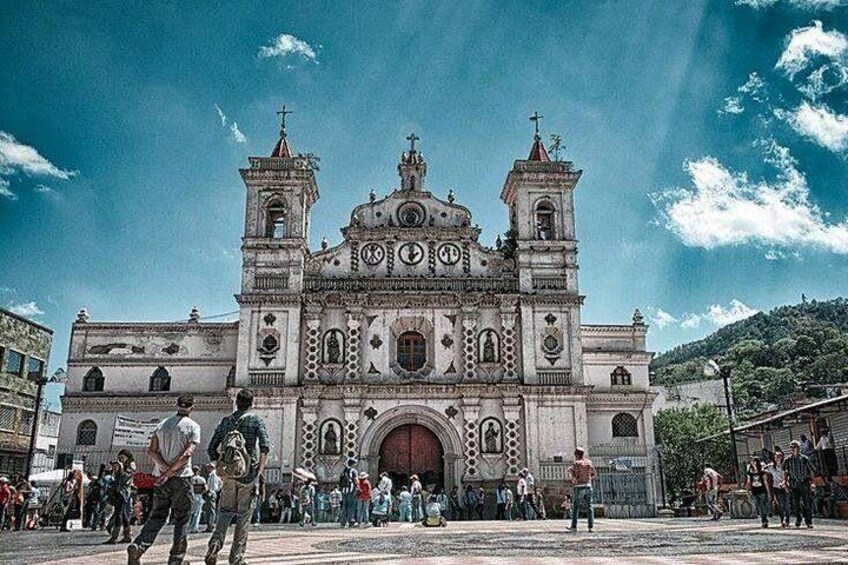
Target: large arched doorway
[{"x": 412, "y": 449}]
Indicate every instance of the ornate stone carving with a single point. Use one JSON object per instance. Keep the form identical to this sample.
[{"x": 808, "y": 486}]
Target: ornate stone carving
[
  {"x": 469, "y": 322},
  {"x": 491, "y": 436},
  {"x": 313, "y": 329},
  {"x": 470, "y": 414},
  {"x": 512, "y": 439},
  {"x": 354, "y": 324},
  {"x": 508, "y": 320},
  {"x": 308, "y": 438},
  {"x": 376, "y": 342}
]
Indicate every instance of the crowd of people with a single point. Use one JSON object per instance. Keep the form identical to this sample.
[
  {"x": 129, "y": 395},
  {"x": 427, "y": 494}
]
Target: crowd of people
[
  {"x": 16, "y": 496},
  {"x": 785, "y": 485}
]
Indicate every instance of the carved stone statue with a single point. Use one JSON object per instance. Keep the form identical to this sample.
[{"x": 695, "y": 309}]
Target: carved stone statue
[
  {"x": 334, "y": 350},
  {"x": 331, "y": 440},
  {"x": 491, "y": 439},
  {"x": 489, "y": 355}
]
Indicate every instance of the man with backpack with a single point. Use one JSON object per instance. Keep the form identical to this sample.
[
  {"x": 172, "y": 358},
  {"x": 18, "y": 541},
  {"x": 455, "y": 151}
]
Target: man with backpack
[
  {"x": 234, "y": 449},
  {"x": 349, "y": 485},
  {"x": 171, "y": 446}
]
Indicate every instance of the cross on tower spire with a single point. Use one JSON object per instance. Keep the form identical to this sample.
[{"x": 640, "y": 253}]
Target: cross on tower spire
[
  {"x": 535, "y": 119},
  {"x": 412, "y": 138},
  {"x": 283, "y": 113}
]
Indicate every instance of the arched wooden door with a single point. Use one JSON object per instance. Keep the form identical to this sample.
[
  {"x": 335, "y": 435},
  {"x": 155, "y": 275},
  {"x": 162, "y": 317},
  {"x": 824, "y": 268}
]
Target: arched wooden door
[{"x": 412, "y": 449}]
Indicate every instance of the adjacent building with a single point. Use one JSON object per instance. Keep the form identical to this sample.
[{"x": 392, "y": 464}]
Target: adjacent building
[
  {"x": 411, "y": 344},
  {"x": 24, "y": 350}
]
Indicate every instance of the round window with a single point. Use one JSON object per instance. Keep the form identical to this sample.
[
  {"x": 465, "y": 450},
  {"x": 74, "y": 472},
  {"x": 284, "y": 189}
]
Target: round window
[{"x": 411, "y": 214}]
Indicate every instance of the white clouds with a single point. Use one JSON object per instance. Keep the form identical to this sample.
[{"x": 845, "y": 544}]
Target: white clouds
[
  {"x": 284, "y": 45},
  {"x": 236, "y": 134},
  {"x": 754, "y": 88},
  {"x": 715, "y": 315},
  {"x": 661, "y": 318},
  {"x": 15, "y": 156},
  {"x": 221, "y": 115},
  {"x": 5, "y": 192},
  {"x": 725, "y": 208},
  {"x": 26, "y": 309},
  {"x": 806, "y": 44},
  {"x": 43, "y": 189},
  {"x": 805, "y": 4},
  {"x": 820, "y": 124}
]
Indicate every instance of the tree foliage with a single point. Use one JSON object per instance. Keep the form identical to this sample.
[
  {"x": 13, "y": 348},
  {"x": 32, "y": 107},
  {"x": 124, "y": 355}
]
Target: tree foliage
[
  {"x": 775, "y": 357},
  {"x": 676, "y": 430}
]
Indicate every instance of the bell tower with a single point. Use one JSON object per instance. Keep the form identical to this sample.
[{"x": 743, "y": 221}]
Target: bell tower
[
  {"x": 281, "y": 189},
  {"x": 539, "y": 194}
]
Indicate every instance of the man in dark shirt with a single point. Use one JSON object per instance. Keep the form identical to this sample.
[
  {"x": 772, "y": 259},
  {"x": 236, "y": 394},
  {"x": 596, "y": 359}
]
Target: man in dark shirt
[
  {"x": 799, "y": 474},
  {"x": 236, "y": 497}
]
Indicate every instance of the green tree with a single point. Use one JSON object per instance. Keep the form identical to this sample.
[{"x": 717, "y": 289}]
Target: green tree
[{"x": 677, "y": 430}]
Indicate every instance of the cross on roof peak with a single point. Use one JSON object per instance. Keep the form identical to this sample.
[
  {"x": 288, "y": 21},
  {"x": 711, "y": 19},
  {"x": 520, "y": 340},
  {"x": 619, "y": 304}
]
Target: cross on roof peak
[
  {"x": 412, "y": 138},
  {"x": 535, "y": 119},
  {"x": 283, "y": 113}
]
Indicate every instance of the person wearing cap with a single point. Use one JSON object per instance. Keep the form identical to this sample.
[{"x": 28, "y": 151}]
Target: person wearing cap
[
  {"x": 416, "y": 489},
  {"x": 210, "y": 503},
  {"x": 349, "y": 485},
  {"x": 237, "y": 497},
  {"x": 799, "y": 476},
  {"x": 363, "y": 500},
  {"x": 198, "y": 492},
  {"x": 171, "y": 448},
  {"x": 582, "y": 472}
]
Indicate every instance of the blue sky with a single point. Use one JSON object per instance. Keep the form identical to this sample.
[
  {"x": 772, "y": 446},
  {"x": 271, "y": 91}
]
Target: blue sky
[{"x": 708, "y": 192}]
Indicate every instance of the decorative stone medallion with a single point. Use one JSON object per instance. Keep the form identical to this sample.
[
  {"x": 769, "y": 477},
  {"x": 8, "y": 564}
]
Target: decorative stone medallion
[
  {"x": 410, "y": 253},
  {"x": 449, "y": 254},
  {"x": 372, "y": 254},
  {"x": 410, "y": 214}
]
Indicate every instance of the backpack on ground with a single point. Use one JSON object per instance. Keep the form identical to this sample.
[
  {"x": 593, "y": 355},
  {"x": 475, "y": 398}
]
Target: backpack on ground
[{"x": 234, "y": 461}]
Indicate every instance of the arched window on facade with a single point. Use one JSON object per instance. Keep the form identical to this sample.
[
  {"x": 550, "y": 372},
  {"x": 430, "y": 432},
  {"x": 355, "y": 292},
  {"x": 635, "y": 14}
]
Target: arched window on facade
[
  {"x": 87, "y": 433},
  {"x": 624, "y": 425},
  {"x": 93, "y": 380},
  {"x": 411, "y": 351},
  {"x": 160, "y": 380},
  {"x": 620, "y": 376},
  {"x": 545, "y": 214},
  {"x": 275, "y": 220}
]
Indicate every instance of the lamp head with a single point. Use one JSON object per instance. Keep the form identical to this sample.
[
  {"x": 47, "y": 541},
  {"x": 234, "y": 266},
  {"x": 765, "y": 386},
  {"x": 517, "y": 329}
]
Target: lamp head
[{"x": 711, "y": 369}]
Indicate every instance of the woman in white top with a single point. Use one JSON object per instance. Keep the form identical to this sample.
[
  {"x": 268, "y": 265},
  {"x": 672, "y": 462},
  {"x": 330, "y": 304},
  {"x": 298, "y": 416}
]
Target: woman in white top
[
  {"x": 827, "y": 454},
  {"x": 779, "y": 490}
]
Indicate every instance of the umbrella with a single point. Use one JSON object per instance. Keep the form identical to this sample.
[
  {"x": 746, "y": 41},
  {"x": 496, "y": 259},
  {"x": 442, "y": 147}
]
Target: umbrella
[{"x": 304, "y": 474}]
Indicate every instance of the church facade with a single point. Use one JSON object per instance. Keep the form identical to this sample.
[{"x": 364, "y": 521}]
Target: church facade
[{"x": 410, "y": 345}]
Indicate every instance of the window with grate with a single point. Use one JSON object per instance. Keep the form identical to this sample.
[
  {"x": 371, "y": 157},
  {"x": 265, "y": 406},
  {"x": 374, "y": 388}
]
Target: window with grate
[
  {"x": 14, "y": 363},
  {"x": 87, "y": 433},
  {"x": 411, "y": 351},
  {"x": 35, "y": 368},
  {"x": 93, "y": 380},
  {"x": 26, "y": 422},
  {"x": 160, "y": 380},
  {"x": 7, "y": 418},
  {"x": 624, "y": 425},
  {"x": 275, "y": 221},
  {"x": 620, "y": 376}
]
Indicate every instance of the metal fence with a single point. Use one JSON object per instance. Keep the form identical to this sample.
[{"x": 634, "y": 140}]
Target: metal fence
[{"x": 625, "y": 494}]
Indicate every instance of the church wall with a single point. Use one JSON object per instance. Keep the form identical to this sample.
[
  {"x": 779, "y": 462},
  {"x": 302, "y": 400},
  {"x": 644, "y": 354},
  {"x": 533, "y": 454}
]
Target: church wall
[{"x": 598, "y": 367}]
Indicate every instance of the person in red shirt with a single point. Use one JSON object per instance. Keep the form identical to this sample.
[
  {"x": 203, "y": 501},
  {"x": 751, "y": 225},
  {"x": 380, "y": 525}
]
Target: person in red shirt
[
  {"x": 5, "y": 498},
  {"x": 363, "y": 500}
]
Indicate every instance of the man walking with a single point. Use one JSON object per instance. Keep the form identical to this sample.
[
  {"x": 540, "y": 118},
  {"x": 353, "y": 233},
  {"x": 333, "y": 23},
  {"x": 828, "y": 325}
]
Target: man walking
[
  {"x": 521, "y": 494},
  {"x": 711, "y": 481},
  {"x": 582, "y": 472},
  {"x": 349, "y": 485},
  {"x": 198, "y": 493},
  {"x": 234, "y": 447},
  {"x": 210, "y": 505},
  {"x": 171, "y": 446},
  {"x": 530, "y": 481},
  {"x": 799, "y": 475}
]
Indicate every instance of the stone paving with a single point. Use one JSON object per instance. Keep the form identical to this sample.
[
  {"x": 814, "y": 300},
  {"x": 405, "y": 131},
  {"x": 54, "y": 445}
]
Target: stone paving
[{"x": 471, "y": 543}]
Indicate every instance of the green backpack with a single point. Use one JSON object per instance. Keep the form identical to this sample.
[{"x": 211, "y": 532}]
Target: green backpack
[{"x": 234, "y": 461}]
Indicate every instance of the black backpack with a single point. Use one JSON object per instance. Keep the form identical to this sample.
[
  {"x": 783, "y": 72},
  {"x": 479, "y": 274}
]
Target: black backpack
[{"x": 344, "y": 480}]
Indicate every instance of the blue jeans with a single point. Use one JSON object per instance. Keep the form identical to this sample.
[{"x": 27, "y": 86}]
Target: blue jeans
[
  {"x": 417, "y": 515},
  {"x": 196, "y": 509},
  {"x": 581, "y": 496},
  {"x": 762, "y": 501},
  {"x": 782, "y": 498},
  {"x": 362, "y": 511},
  {"x": 348, "y": 509},
  {"x": 175, "y": 497}
]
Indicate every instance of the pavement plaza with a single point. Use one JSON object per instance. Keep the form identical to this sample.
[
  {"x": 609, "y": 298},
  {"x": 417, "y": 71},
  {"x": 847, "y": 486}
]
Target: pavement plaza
[{"x": 649, "y": 541}]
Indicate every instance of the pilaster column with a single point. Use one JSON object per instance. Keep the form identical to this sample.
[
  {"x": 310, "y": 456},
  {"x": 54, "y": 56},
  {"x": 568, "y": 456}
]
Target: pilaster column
[
  {"x": 471, "y": 415},
  {"x": 469, "y": 349},
  {"x": 351, "y": 429},
  {"x": 312, "y": 346},
  {"x": 354, "y": 338},
  {"x": 512, "y": 435},
  {"x": 308, "y": 434},
  {"x": 508, "y": 354}
]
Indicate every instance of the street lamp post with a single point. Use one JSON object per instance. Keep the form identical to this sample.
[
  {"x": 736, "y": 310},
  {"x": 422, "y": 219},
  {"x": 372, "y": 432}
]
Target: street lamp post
[
  {"x": 33, "y": 436},
  {"x": 659, "y": 449},
  {"x": 712, "y": 369}
]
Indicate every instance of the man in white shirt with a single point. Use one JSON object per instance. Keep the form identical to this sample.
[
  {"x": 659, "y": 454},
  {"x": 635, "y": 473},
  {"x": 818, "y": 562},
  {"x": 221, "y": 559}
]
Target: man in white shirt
[
  {"x": 210, "y": 505},
  {"x": 521, "y": 494},
  {"x": 531, "y": 493},
  {"x": 171, "y": 446},
  {"x": 711, "y": 481}
]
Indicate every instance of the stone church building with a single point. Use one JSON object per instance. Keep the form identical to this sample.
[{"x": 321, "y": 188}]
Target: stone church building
[{"x": 411, "y": 344}]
